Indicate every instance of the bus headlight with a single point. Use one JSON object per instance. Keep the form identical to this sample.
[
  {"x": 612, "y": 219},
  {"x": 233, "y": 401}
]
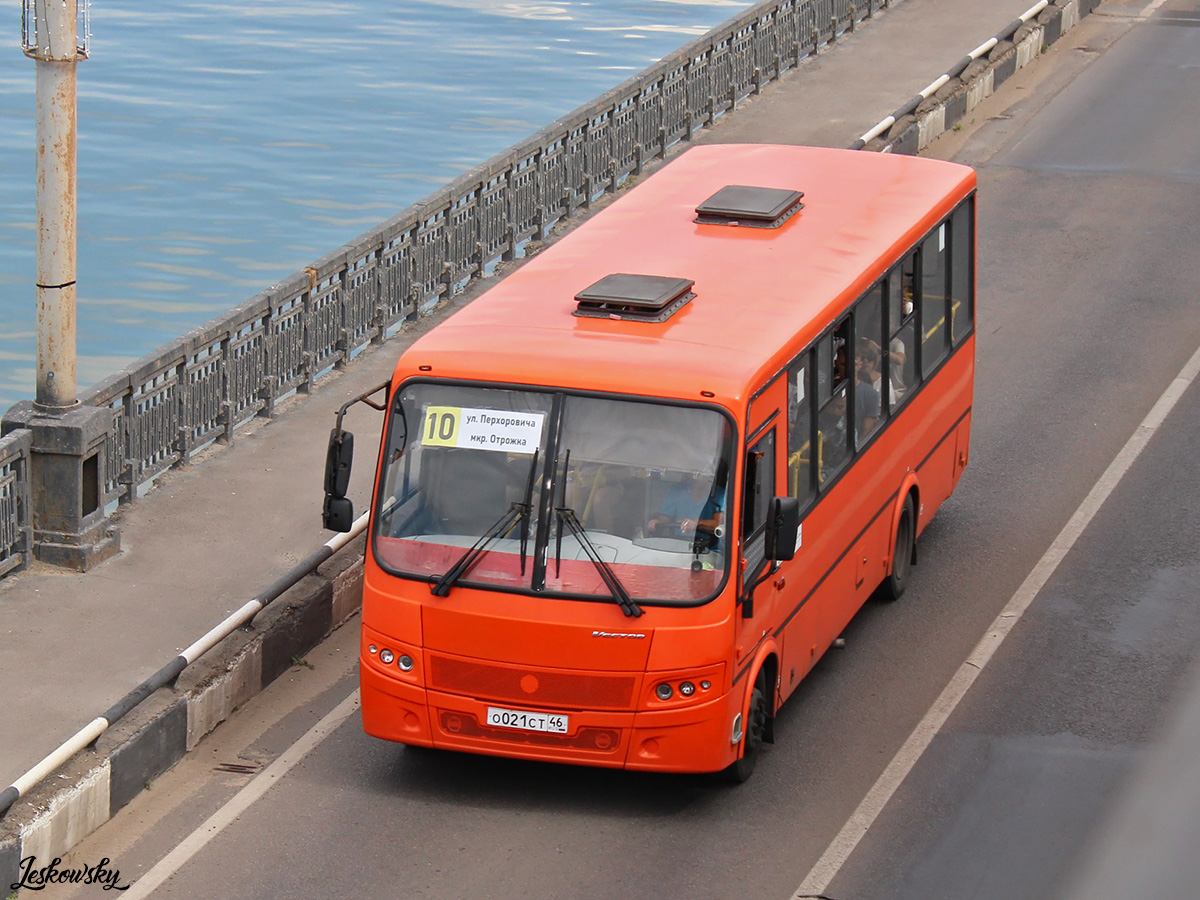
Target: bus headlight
[{"x": 687, "y": 686}]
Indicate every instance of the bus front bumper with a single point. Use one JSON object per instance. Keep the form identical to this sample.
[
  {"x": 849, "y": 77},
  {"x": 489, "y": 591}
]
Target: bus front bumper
[{"x": 692, "y": 738}]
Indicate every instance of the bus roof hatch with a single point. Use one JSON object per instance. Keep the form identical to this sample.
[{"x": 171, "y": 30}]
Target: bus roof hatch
[
  {"x": 640, "y": 298},
  {"x": 754, "y": 207}
]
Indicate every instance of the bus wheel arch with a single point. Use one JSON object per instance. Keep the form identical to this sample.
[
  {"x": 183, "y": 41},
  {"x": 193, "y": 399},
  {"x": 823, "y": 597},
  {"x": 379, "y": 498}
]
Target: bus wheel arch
[
  {"x": 904, "y": 543},
  {"x": 758, "y": 720}
]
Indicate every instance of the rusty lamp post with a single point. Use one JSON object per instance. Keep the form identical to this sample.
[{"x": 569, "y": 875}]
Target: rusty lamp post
[{"x": 68, "y": 460}]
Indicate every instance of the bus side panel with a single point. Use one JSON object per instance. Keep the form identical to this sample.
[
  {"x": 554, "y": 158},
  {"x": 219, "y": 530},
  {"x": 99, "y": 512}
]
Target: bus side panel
[
  {"x": 846, "y": 540},
  {"x": 841, "y": 560},
  {"x": 949, "y": 421},
  {"x": 962, "y": 451}
]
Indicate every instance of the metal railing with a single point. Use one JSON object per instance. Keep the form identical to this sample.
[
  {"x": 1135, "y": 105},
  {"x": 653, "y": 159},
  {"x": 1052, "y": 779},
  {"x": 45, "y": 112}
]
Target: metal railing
[
  {"x": 207, "y": 384},
  {"x": 15, "y": 530}
]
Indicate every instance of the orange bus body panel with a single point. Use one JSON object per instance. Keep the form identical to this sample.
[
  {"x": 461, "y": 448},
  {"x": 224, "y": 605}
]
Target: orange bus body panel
[{"x": 761, "y": 296}]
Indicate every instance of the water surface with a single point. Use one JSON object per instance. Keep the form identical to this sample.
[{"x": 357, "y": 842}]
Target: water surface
[{"x": 225, "y": 145}]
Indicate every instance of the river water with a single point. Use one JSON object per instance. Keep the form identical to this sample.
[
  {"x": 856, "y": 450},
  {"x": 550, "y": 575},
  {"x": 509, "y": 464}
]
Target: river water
[{"x": 225, "y": 144}]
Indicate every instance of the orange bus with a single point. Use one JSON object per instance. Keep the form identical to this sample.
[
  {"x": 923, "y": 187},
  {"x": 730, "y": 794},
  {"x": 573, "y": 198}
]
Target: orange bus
[{"x": 629, "y": 496}]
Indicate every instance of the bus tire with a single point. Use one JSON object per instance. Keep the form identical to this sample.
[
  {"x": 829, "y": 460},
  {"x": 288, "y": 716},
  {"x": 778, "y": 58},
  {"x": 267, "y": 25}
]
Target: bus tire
[
  {"x": 754, "y": 735},
  {"x": 902, "y": 558}
]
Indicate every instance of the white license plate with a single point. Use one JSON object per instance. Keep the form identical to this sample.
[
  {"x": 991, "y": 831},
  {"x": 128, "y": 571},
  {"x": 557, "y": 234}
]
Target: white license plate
[{"x": 526, "y": 721}]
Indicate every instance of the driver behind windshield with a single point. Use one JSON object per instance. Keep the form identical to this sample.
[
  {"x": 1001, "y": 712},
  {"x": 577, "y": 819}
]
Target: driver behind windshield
[{"x": 690, "y": 506}]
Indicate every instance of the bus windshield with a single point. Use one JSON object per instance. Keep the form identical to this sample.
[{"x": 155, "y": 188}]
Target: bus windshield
[{"x": 542, "y": 491}]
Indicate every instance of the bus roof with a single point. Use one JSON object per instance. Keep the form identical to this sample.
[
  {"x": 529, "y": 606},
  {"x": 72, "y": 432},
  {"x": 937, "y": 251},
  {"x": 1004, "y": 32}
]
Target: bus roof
[{"x": 760, "y": 293}]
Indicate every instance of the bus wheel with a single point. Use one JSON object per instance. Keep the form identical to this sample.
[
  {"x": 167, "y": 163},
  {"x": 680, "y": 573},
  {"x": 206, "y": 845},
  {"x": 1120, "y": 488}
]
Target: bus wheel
[
  {"x": 755, "y": 733},
  {"x": 906, "y": 535}
]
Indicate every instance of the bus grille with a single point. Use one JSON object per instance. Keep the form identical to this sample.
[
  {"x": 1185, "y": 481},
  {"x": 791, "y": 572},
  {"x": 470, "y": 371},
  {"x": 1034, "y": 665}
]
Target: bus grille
[{"x": 574, "y": 690}]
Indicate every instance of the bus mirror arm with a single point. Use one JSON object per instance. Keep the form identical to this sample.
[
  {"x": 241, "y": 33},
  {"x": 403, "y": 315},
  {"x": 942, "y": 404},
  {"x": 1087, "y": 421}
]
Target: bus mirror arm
[{"x": 338, "y": 512}]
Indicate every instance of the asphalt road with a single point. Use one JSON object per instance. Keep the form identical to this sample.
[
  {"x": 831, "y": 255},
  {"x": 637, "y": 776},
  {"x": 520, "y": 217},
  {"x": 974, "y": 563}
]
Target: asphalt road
[{"x": 1089, "y": 238}]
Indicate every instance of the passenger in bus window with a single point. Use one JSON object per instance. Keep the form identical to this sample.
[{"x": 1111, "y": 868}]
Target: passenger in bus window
[
  {"x": 897, "y": 359},
  {"x": 839, "y": 361},
  {"x": 832, "y": 426},
  {"x": 866, "y": 392}
]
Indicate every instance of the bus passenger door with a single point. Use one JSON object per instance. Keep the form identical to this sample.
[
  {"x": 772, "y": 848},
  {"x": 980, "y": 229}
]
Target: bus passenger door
[{"x": 757, "y": 610}]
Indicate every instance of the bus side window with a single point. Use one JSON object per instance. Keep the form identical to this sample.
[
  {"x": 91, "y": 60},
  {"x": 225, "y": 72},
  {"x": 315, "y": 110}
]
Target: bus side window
[
  {"x": 902, "y": 349},
  {"x": 933, "y": 300},
  {"x": 800, "y": 433},
  {"x": 962, "y": 280},
  {"x": 833, "y": 413},
  {"x": 870, "y": 397},
  {"x": 759, "y": 488}
]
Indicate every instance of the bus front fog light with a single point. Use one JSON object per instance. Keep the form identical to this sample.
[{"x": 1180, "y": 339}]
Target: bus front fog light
[
  {"x": 687, "y": 689},
  {"x": 664, "y": 691},
  {"x": 386, "y": 657},
  {"x": 405, "y": 663}
]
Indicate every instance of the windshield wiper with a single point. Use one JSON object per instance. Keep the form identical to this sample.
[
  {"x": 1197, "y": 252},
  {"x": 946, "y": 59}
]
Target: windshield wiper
[
  {"x": 567, "y": 516},
  {"x": 517, "y": 512},
  {"x": 501, "y": 527}
]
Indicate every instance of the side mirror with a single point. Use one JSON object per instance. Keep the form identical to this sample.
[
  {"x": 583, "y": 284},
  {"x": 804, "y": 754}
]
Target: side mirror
[
  {"x": 783, "y": 528},
  {"x": 337, "y": 463},
  {"x": 338, "y": 514}
]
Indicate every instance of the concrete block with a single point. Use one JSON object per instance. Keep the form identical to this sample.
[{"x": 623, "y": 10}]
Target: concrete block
[
  {"x": 931, "y": 124},
  {"x": 147, "y": 754},
  {"x": 296, "y": 629},
  {"x": 980, "y": 88},
  {"x": 1003, "y": 58},
  {"x": 1030, "y": 46},
  {"x": 1070, "y": 14},
  {"x": 1051, "y": 19},
  {"x": 213, "y": 703},
  {"x": 956, "y": 107},
  {"x": 907, "y": 136},
  {"x": 347, "y": 592},
  {"x": 71, "y": 815},
  {"x": 10, "y": 864}
]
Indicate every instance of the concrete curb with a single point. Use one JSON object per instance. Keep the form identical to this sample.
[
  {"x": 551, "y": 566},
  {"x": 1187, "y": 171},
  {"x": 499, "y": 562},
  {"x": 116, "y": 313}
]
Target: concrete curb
[
  {"x": 960, "y": 95},
  {"x": 96, "y": 783}
]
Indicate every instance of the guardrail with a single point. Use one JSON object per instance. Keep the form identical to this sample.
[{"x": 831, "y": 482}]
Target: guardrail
[
  {"x": 167, "y": 675},
  {"x": 15, "y": 525}
]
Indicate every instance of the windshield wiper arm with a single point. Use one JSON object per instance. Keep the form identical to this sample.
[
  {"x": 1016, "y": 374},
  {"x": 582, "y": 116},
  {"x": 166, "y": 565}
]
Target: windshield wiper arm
[
  {"x": 567, "y": 516},
  {"x": 527, "y": 508},
  {"x": 501, "y": 527}
]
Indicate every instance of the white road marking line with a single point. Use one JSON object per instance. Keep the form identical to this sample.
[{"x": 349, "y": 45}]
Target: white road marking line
[
  {"x": 839, "y": 850},
  {"x": 1150, "y": 8},
  {"x": 241, "y": 801}
]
